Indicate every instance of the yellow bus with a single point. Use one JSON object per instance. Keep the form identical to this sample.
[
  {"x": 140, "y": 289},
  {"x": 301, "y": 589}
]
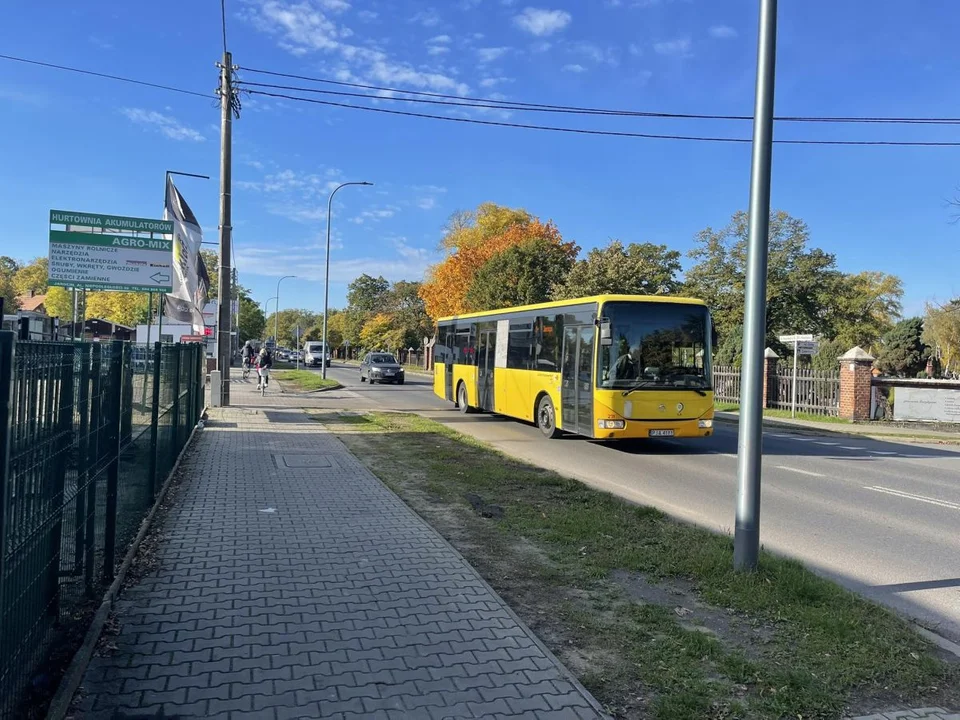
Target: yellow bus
[{"x": 605, "y": 367}]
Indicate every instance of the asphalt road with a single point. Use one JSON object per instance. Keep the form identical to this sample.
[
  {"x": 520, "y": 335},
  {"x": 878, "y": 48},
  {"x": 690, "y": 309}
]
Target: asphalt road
[{"x": 881, "y": 517}]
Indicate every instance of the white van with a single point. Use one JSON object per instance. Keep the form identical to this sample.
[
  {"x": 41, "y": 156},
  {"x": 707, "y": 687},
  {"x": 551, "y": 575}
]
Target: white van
[{"x": 313, "y": 354}]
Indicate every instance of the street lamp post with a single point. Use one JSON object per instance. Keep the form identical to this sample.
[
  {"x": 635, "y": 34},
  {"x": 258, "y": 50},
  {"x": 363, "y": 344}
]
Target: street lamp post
[
  {"x": 276, "y": 313},
  {"x": 266, "y": 304},
  {"x": 326, "y": 279}
]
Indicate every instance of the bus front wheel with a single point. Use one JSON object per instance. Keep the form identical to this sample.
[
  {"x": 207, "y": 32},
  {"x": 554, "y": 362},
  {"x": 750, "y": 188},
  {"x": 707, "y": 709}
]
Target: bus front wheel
[{"x": 547, "y": 417}]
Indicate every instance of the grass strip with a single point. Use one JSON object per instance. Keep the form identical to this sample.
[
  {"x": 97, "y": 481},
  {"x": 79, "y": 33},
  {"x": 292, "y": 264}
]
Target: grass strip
[
  {"x": 305, "y": 380},
  {"x": 645, "y": 610}
]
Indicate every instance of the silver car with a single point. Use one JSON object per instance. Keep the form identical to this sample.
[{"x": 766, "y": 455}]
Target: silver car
[{"x": 379, "y": 367}]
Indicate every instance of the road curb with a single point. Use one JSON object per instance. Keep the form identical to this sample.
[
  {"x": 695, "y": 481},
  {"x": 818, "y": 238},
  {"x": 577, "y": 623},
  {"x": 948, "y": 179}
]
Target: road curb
[{"x": 73, "y": 677}]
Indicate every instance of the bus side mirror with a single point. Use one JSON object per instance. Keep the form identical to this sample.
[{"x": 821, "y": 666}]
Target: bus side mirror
[{"x": 606, "y": 335}]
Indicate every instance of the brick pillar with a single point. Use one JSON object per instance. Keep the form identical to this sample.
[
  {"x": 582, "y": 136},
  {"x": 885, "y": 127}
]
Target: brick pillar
[
  {"x": 856, "y": 373},
  {"x": 770, "y": 383}
]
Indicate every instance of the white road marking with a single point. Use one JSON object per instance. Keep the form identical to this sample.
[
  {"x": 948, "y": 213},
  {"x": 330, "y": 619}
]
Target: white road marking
[
  {"x": 798, "y": 470},
  {"x": 726, "y": 455},
  {"x": 882, "y": 452},
  {"x": 911, "y": 496},
  {"x": 821, "y": 442},
  {"x": 848, "y": 447}
]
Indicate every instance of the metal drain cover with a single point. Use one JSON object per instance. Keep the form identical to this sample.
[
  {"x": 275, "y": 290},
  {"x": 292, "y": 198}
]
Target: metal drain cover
[{"x": 303, "y": 462}]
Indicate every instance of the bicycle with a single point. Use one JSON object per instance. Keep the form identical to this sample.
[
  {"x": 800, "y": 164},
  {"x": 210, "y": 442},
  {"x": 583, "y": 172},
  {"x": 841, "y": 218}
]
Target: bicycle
[
  {"x": 246, "y": 370},
  {"x": 264, "y": 376}
]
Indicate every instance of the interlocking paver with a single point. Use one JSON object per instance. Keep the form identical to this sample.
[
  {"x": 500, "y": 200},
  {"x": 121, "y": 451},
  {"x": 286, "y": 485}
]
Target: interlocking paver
[{"x": 338, "y": 602}]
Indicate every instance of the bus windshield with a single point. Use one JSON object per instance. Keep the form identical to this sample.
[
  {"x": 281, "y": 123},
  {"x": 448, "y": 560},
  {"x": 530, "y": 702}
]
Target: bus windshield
[{"x": 656, "y": 346}]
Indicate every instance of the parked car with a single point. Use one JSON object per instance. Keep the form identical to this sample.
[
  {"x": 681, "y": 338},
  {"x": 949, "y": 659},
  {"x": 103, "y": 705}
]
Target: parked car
[
  {"x": 381, "y": 367},
  {"x": 313, "y": 354},
  {"x": 283, "y": 355},
  {"x": 296, "y": 355}
]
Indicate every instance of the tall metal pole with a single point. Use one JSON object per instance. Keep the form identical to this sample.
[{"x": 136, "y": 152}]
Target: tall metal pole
[
  {"x": 326, "y": 280},
  {"x": 793, "y": 390},
  {"x": 276, "y": 313},
  {"x": 746, "y": 543},
  {"x": 226, "y": 168}
]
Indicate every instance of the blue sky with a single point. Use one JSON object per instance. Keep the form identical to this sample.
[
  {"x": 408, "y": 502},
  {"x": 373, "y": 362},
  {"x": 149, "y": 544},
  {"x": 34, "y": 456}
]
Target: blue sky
[{"x": 82, "y": 143}]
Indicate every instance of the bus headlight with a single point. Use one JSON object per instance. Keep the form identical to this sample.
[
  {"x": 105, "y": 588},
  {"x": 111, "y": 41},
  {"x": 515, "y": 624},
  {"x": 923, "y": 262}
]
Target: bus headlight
[
  {"x": 611, "y": 424},
  {"x": 705, "y": 423}
]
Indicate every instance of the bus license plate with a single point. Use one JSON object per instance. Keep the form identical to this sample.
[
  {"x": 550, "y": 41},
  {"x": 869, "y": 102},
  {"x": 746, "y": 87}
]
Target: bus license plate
[{"x": 661, "y": 433}]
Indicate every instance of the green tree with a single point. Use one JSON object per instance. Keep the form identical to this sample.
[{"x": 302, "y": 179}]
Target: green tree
[
  {"x": 827, "y": 357},
  {"x": 367, "y": 294},
  {"x": 8, "y": 270},
  {"x": 521, "y": 275},
  {"x": 252, "y": 320},
  {"x": 404, "y": 302},
  {"x": 637, "y": 269},
  {"x": 941, "y": 331},
  {"x": 287, "y": 323},
  {"x": 801, "y": 281},
  {"x": 31, "y": 277},
  {"x": 59, "y": 303},
  {"x": 211, "y": 261},
  {"x": 123, "y": 308},
  {"x": 865, "y": 307},
  {"x": 903, "y": 352}
]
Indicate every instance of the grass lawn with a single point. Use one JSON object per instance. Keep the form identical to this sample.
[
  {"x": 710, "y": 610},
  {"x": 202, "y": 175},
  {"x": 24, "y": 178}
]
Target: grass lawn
[
  {"x": 647, "y": 611},
  {"x": 771, "y": 413},
  {"x": 304, "y": 380}
]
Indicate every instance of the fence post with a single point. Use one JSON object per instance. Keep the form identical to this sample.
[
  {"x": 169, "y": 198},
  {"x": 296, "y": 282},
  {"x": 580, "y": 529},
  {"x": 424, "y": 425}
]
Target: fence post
[
  {"x": 93, "y": 461},
  {"x": 155, "y": 415},
  {"x": 83, "y": 466},
  {"x": 115, "y": 387},
  {"x": 6, "y": 395},
  {"x": 771, "y": 380},
  {"x": 63, "y": 407},
  {"x": 201, "y": 381},
  {"x": 176, "y": 399}
]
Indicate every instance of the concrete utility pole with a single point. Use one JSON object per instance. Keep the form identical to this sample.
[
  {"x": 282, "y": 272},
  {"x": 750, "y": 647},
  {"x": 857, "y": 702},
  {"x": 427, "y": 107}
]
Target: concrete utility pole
[
  {"x": 326, "y": 281},
  {"x": 746, "y": 542},
  {"x": 224, "y": 324}
]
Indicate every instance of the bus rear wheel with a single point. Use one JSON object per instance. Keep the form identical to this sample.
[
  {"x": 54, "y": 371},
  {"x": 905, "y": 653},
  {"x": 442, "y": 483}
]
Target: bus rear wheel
[{"x": 547, "y": 418}]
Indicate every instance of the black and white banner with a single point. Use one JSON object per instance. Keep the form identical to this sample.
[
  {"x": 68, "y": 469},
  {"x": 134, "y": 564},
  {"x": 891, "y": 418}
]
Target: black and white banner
[{"x": 190, "y": 279}]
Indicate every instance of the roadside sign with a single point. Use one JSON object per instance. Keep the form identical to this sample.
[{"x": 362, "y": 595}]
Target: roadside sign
[
  {"x": 807, "y": 348},
  {"x": 109, "y": 252},
  {"x": 193, "y": 338},
  {"x": 790, "y": 339}
]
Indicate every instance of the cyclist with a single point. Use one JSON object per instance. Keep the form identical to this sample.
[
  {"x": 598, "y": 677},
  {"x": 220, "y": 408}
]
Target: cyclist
[
  {"x": 248, "y": 354},
  {"x": 264, "y": 363}
]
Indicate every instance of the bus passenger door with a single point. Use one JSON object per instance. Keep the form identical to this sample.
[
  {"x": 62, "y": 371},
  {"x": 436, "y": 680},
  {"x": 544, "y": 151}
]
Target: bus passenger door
[
  {"x": 486, "y": 360},
  {"x": 576, "y": 395}
]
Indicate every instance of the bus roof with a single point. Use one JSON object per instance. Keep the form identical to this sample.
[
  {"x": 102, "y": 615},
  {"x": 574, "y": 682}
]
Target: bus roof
[{"x": 579, "y": 301}]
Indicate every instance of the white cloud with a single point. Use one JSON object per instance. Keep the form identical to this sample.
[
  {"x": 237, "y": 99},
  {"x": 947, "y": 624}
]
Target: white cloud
[
  {"x": 508, "y": 3},
  {"x": 409, "y": 263},
  {"x": 489, "y": 54},
  {"x": 723, "y": 32},
  {"x": 165, "y": 124},
  {"x": 635, "y": 50},
  {"x": 304, "y": 27},
  {"x": 437, "y": 50},
  {"x": 427, "y": 203},
  {"x": 38, "y": 99},
  {"x": 541, "y": 47},
  {"x": 428, "y": 18},
  {"x": 335, "y": 5},
  {"x": 540, "y": 22},
  {"x": 368, "y": 15},
  {"x": 100, "y": 42},
  {"x": 680, "y": 47},
  {"x": 440, "y": 40},
  {"x": 489, "y": 82},
  {"x": 574, "y": 68},
  {"x": 607, "y": 56}
]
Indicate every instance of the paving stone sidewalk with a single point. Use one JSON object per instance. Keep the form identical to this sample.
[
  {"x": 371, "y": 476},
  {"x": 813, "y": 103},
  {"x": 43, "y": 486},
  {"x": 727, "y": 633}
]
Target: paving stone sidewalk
[
  {"x": 932, "y": 713},
  {"x": 293, "y": 584}
]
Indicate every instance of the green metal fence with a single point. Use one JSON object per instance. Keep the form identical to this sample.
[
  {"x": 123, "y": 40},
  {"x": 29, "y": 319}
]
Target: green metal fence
[{"x": 88, "y": 434}]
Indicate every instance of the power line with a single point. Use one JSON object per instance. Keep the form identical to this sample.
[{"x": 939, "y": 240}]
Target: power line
[
  {"x": 517, "y": 105},
  {"x": 105, "y": 75},
  {"x": 610, "y": 133}
]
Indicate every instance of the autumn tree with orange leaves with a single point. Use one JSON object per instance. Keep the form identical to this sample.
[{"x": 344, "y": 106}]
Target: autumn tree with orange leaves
[{"x": 477, "y": 238}]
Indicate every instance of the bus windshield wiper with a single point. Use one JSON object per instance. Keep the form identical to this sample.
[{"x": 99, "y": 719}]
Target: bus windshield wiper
[{"x": 637, "y": 386}]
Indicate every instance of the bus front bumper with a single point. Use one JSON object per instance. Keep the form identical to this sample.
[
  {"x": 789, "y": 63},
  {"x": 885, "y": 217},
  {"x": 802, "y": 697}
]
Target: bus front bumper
[{"x": 620, "y": 429}]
